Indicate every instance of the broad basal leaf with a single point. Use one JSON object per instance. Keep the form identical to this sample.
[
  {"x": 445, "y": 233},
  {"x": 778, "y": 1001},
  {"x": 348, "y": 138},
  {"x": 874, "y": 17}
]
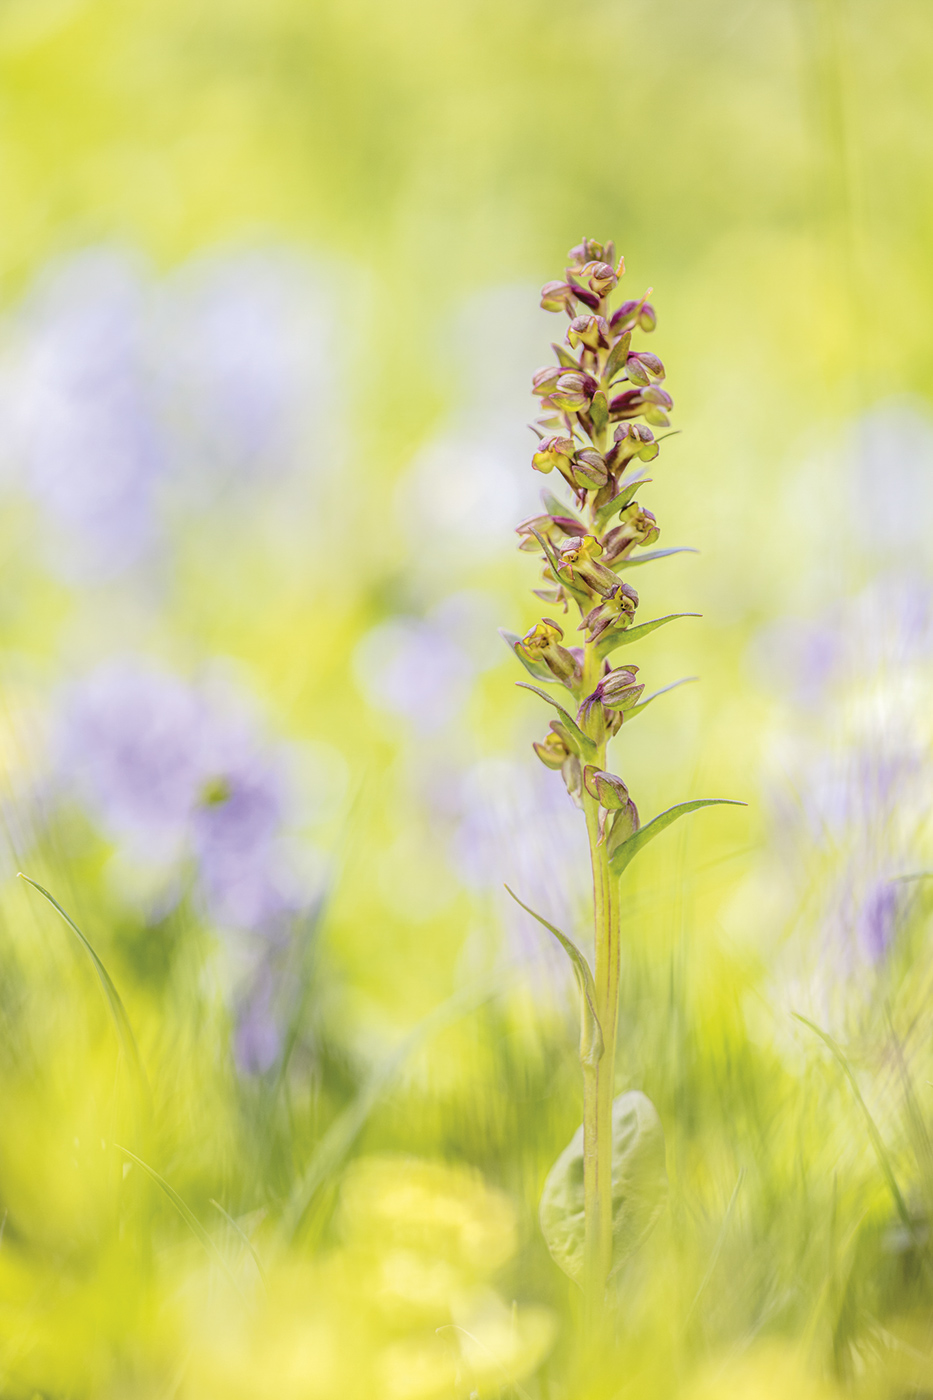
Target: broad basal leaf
[{"x": 639, "y": 1187}]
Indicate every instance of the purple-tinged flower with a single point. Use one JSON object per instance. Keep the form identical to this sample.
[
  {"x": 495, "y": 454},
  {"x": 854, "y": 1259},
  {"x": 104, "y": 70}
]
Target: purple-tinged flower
[
  {"x": 175, "y": 774},
  {"x": 84, "y": 424},
  {"x": 130, "y": 747},
  {"x": 244, "y": 873},
  {"x": 245, "y": 363},
  {"x": 423, "y": 669}
]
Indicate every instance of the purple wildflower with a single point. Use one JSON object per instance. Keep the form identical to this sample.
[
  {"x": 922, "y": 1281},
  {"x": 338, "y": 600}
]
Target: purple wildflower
[
  {"x": 425, "y": 668},
  {"x": 174, "y": 773},
  {"x": 245, "y": 362},
  {"x": 130, "y": 746},
  {"x": 84, "y": 416}
]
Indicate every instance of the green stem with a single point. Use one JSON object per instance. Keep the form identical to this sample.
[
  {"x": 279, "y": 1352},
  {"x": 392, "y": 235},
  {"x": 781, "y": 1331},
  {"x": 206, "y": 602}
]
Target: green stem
[{"x": 599, "y": 1079}]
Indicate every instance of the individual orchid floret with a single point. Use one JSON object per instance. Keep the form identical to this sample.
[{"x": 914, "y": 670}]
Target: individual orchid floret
[
  {"x": 573, "y": 391},
  {"x": 558, "y": 296},
  {"x": 610, "y": 791},
  {"x": 643, "y": 368},
  {"x": 588, "y": 251},
  {"x": 542, "y": 643},
  {"x": 553, "y": 752},
  {"x": 601, "y": 713},
  {"x": 619, "y": 689},
  {"x": 544, "y": 380},
  {"x": 638, "y": 527},
  {"x": 613, "y": 798},
  {"x": 624, "y": 824},
  {"x": 652, "y": 403},
  {"x": 591, "y": 331},
  {"x": 632, "y": 314},
  {"x": 554, "y": 452},
  {"x": 578, "y": 562},
  {"x": 633, "y": 440},
  {"x": 657, "y": 403},
  {"x": 589, "y": 470},
  {"x": 553, "y": 528},
  {"x": 615, "y": 611},
  {"x": 600, "y": 277}
]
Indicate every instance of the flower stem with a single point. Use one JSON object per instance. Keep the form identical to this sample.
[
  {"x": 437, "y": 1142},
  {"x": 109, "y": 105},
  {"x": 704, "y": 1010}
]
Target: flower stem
[{"x": 599, "y": 1078}]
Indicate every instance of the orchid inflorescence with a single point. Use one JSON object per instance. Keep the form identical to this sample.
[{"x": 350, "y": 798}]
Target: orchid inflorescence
[
  {"x": 601, "y": 403},
  {"x": 590, "y": 433}
]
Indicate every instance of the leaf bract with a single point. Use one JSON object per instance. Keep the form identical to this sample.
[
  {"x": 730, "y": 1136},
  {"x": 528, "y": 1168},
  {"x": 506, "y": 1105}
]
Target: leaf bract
[
  {"x": 591, "y": 1034},
  {"x": 629, "y": 849}
]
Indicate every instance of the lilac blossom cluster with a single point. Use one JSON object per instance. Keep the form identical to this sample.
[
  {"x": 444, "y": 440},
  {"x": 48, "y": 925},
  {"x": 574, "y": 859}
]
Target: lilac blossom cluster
[
  {"x": 179, "y": 778},
  {"x": 126, "y": 400},
  {"x": 175, "y": 774}
]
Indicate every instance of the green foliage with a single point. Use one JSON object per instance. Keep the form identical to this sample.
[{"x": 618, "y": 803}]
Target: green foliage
[
  {"x": 629, "y": 849},
  {"x": 639, "y": 1187}
]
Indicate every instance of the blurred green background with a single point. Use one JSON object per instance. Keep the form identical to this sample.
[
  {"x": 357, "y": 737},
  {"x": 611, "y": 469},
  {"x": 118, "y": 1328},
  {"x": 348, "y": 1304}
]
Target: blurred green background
[{"x": 290, "y": 255}]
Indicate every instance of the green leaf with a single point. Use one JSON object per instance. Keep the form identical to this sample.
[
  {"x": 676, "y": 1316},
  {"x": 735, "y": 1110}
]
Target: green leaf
[
  {"x": 612, "y": 640},
  {"x": 187, "y": 1215},
  {"x": 639, "y": 1187},
  {"x": 630, "y": 848},
  {"x": 619, "y": 502},
  {"x": 238, "y": 1230},
  {"x": 586, "y": 747},
  {"x": 591, "y": 1034},
  {"x": 564, "y": 356},
  {"x": 599, "y": 412},
  {"x": 535, "y": 668},
  {"x": 617, "y": 356},
  {"x": 629, "y": 715},
  {"x": 114, "y": 1001},
  {"x": 554, "y": 506},
  {"x": 651, "y": 555}
]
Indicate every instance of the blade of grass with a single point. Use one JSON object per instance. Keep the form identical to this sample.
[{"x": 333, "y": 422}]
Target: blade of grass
[
  {"x": 114, "y": 1001},
  {"x": 243, "y": 1236},
  {"x": 717, "y": 1247},
  {"x": 185, "y": 1211},
  {"x": 877, "y": 1142}
]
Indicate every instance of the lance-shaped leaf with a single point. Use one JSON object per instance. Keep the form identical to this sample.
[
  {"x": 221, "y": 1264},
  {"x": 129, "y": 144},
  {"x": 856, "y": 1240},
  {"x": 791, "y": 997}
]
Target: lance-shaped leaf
[
  {"x": 643, "y": 704},
  {"x": 535, "y": 668},
  {"x": 627, "y": 489},
  {"x": 585, "y": 746},
  {"x": 617, "y": 356},
  {"x": 564, "y": 356},
  {"x": 591, "y": 1034},
  {"x": 599, "y": 412},
  {"x": 554, "y": 506},
  {"x": 629, "y": 849},
  {"x": 611, "y": 640},
  {"x": 650, "y": 555},
  {"x": 639, "y": 1187}
]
